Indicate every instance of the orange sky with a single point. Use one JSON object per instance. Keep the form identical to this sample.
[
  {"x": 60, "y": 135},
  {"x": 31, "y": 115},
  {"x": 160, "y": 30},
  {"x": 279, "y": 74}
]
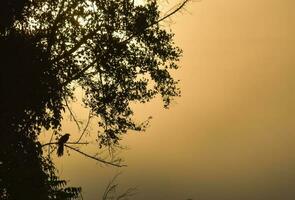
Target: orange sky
[{"x": 231, "y": 135}]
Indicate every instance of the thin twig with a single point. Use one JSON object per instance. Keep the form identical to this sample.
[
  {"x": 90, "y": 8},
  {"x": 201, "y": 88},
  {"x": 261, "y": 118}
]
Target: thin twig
[
  {"x": 128, "y": 193},
  {"x": 72, "y": 114},
  {"x": 85, "y": 128},
  {"x": 110, "y": 191},
  {"x": 53, "y": 149},
  {"x": 109, "y": 186}
]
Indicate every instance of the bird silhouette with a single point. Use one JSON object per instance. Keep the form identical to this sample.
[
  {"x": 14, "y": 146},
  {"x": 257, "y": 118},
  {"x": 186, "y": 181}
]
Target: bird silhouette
[{"x": 60, "y": 144}]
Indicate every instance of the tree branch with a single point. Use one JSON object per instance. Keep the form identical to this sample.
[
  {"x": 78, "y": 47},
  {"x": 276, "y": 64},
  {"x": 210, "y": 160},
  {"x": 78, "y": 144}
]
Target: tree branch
[
  {"x": 54, "y": 26},
  {"x": 78, "y": 74},
  {"x": 56, "y": 143},
  {"x": 111, "y": 188},
  {"x": 85, "y": 154},
  {"x": 181, "y": 5},
  {"x": 95, "y": 158},
  {"x": 75, "y": 48}
]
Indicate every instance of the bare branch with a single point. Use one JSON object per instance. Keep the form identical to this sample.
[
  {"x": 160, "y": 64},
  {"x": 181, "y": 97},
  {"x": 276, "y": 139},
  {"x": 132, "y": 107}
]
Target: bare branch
[
  {"x": 128, "y": 193},
  {"x": 85, "y": 154},
  {"x": 56, "y": 143},
  {"x": 95, "y": 158},
  {"x": 111, "y": 188}
]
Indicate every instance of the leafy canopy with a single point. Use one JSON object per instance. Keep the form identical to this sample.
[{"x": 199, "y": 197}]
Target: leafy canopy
[{"x": 115, "y": 50}]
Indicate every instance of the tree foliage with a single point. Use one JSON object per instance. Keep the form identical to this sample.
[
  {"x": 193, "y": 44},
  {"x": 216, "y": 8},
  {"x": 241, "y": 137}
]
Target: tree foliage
[{"x": 115, "y": 50}]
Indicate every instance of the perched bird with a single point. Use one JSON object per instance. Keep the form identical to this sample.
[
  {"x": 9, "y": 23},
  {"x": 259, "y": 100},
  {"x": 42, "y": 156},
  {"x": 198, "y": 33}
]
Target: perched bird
[{"x": 60, "y": 144}]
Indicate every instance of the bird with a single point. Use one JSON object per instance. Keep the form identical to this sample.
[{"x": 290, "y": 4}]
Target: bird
[{"x": 60, "y": 144}]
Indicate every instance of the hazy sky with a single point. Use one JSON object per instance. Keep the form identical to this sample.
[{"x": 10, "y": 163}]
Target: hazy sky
[{"x": 231, "y": 136}]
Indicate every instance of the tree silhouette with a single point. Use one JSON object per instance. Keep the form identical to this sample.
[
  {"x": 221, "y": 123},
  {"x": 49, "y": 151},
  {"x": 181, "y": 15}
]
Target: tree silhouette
[{"x": 115, "y": 50}]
